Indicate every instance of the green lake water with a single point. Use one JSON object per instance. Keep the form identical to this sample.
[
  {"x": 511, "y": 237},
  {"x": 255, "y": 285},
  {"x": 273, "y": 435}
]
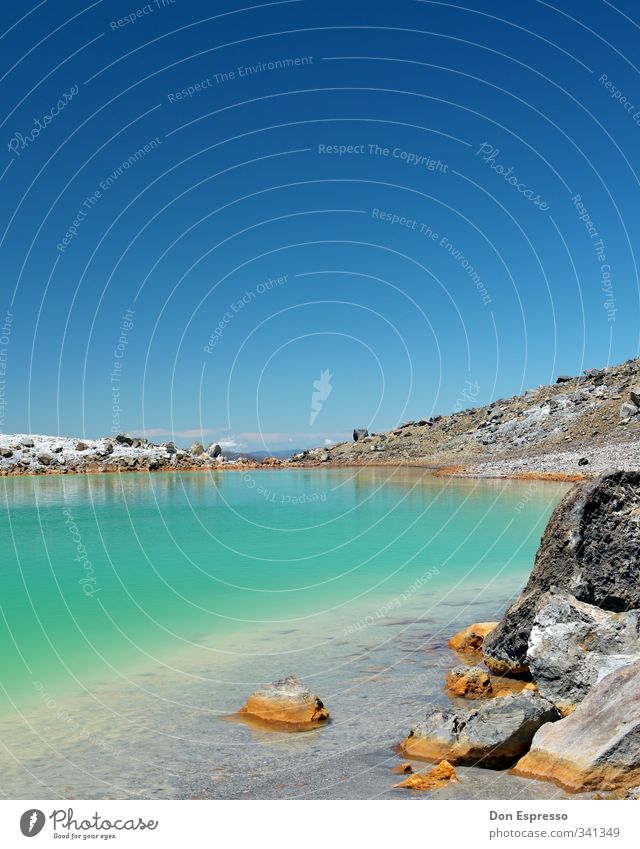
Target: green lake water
[{"x": 103, "y": 573}]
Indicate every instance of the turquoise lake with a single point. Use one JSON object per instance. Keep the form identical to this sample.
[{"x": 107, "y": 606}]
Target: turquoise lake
[{"x": 105, "y": 573}]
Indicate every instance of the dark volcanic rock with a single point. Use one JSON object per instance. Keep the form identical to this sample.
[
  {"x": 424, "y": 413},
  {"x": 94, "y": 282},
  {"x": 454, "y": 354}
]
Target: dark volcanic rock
[
  {"x": 494, "y": 734},
  {"x": 591, "y": 548},
  {"x": 573, "y": 645},
  {"x": 124, "y": 439},
  {"x": 360, "y": 433}
]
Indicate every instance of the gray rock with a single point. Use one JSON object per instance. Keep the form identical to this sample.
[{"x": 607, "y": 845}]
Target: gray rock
[
  {"x": 494, "y": 734},
  {"x": 591, "y": 548},
  {"x": 6, "y": 452},
  {"x": 495, "y": 413},
  {"x": 28, "y": 443},
  {"x": 170, "y": 448},
  {"x": 360, "y": 433},
  {"x": 197, "y": 449},
  {"x": 214, "y": 450},
  {"x": 573, "y": 645},
  {"x": 81, "y": 446},
  {"x": 124, "y": 439},
  {"x": 598, "y": 745},
  {"x": 634, "y": 394},
  {"x": 583, "y": 461},
  {"x": 564, "y": 378},
  {"x": 45, "y": 459},
  {"x": 628, "y": 409}
]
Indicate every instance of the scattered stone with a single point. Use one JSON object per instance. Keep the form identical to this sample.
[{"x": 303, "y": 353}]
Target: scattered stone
[
  {"x": 627, "y": 410},
  {"x": 28, "y": 443},
  {"x": 573, "y": 645},
  {"x": 494, "y": 735},
  {"x": 214, "y": 450},
  {"x": 81, "y": 446},
  {"x": 564, "y": 378},
  {"x": 591, "y": 548},
  {"x": 271, "y": 461},
  {"x": 439, "y": 776},
  {"x": 170, "y": 448},
  {"x": 634, "y": 394},
  {"x": 360, "y": 433},
  {"x": 124, "y": 439},
  {"x": 6, "y": 452},
  {"x": 597, "y": 747},
  {"x": 583, "y": 461},
  {"x": 287, "y": 703},
  {"x": 402, "y": 769},
  {"x": 470, "y": 640},
  {"x": 45, "y": 459},
  {"x": 197, "y": 449},
  {"x": 469, "y": 682}
]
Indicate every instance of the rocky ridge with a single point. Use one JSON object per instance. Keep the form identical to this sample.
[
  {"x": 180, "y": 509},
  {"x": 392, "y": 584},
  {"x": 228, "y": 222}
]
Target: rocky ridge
[{"x": 578, "y": 426}]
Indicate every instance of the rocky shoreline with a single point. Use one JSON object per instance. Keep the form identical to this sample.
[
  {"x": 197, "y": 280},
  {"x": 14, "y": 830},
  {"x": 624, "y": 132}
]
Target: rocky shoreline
[
  {"x": 575, "y": 428},
  {"x": 26, "y": 454},
  {"x": 574, "y": 635},
  {"x": 552, "y": 691}
]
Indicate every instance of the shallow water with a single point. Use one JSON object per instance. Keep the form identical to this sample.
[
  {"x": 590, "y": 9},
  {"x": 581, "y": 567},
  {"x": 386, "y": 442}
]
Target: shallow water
[{"x": 137, "y": 610}]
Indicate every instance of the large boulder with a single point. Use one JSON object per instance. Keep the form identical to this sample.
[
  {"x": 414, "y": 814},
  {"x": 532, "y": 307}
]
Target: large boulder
[
  {"x": 495, "y": 734},
  {"x": 591, "y": 548},
  {"x": 598, "y": 745},
  {"x": 360, "y": 433},
  {"x": 573, "y": 645},
  {"x": 287, "y": 703}
]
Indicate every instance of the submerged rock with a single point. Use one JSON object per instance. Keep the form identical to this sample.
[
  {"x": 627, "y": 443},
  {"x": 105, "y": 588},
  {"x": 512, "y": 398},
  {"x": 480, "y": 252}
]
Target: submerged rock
[
  {"x": 470, "y": 640},
  {"x": 573, "y": 645},
  {"x": 591, "y": 548},
  {"x": 402, "y": 769},
  {"x": 286, "y": 703},
  {"x": 439, "y": 776},
  {"x": 469, "y": 682},
  {"x": 495, "y": 734},
  {"x": 598, "y": 745}
]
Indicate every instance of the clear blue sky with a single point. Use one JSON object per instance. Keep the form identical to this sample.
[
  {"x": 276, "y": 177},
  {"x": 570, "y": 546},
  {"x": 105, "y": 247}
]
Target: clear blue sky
[{"x": 206, "y": 206}]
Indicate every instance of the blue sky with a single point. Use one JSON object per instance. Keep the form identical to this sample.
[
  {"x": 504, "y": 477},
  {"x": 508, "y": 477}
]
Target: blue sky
[{"x": 208, "y": 207}]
